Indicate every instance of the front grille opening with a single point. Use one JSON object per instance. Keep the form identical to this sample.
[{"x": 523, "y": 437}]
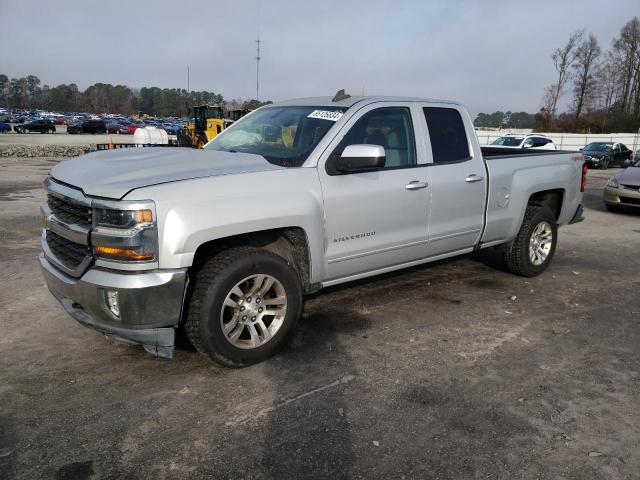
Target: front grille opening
[
  {"x": 630, "y": 200},
  {"x": 69, "y": 212},
  {"x": 71, "y": 254}
]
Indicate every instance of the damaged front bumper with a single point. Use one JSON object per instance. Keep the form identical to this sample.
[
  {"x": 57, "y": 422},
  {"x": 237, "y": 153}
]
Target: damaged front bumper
[{"x": 146, "y": 310}]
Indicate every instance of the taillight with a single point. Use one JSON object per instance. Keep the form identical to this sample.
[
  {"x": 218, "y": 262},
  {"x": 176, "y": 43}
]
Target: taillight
[{"x": 583, "y": 182}]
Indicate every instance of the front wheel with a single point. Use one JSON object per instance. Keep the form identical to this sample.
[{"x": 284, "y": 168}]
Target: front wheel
[
  {"x": 245, "y": 305},
  {"x": 534, "y": 246}
]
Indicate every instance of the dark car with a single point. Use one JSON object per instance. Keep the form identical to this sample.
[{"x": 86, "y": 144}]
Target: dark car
[
  {"x": 87, "y": 126},
  {"x": 42, "y": 126},
  {"x": 606, "y": 154},
  {"x": 4, "y": 127},
  {"x": 114, "y": 127}
]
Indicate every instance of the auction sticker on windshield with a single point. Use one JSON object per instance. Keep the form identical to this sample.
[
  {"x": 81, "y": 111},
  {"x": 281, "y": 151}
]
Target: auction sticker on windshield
[{"x": 325, "y": 115}]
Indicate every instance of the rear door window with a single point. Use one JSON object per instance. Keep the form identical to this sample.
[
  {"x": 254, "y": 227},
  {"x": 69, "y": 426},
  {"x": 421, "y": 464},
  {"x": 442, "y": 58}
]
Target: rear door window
[{"x": 448, "y": 136}]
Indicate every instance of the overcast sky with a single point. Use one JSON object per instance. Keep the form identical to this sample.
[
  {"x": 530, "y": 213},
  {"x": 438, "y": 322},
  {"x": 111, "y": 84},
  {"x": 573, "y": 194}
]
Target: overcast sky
[{"x": 491, "y": 54}]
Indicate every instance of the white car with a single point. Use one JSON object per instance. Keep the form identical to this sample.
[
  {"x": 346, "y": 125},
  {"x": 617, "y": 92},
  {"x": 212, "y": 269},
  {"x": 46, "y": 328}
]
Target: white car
[{"x": 533, "y": 141}]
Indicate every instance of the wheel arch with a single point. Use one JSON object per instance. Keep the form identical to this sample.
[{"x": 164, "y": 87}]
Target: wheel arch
[
  {"x": 290, "y": 243},
  {"x": 554, "y": 199}
]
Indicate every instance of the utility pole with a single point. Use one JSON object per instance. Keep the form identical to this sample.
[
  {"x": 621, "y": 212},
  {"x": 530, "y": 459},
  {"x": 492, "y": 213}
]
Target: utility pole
[
  {"x": 258, "y": 69},
  {"x": 188, "y": 79}
]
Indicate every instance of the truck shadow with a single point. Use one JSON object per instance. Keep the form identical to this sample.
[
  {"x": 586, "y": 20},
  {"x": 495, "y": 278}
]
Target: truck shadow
[{"x": 307, "y": 432}]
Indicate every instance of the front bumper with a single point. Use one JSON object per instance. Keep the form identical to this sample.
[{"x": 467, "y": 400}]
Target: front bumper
[
  {"x": 594, "y": 162},
  {"x": 150, "y": 303},
  {"x": 621, "y": 196}
]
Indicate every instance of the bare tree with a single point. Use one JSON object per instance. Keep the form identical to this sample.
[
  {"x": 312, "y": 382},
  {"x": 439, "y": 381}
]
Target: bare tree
[
  {"x": 584, "y": 68},
  {"x": 607, "y": 83},
  {"x": 563, "y": 59},
  {"x": 626, "y": 55}
]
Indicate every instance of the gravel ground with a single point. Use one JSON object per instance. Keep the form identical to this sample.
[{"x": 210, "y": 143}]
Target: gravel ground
[{"x": 455, "y": 370}]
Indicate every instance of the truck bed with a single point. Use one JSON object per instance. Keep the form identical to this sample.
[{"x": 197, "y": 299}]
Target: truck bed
[
  {"x": 493, "y": 152},
  {"x": 515, "y": 174}
]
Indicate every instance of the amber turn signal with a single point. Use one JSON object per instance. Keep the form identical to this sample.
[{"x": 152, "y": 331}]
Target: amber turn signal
[
  {"x": 123, "y": 253},
  {"x": 143, "y": 216}
]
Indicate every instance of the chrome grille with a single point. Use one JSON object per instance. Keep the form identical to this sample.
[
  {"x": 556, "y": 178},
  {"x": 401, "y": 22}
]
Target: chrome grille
[
  {"x": 69, "y": 212},
  {"x": 71, "y": 254},
  {"x": 631, "y": 187},
  {"x": 68, "y": 222}
]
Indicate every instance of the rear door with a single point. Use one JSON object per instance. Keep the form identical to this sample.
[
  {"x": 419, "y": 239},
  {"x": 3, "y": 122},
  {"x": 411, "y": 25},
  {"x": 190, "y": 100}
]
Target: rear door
[
  {"x": 458, "y": 180},
  {"x": 377, "y": 219}
]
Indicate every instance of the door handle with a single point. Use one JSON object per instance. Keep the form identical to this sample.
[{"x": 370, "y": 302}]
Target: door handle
[
  {"x": 416, "y": 185},
  {"x": 473, "y": 178}
]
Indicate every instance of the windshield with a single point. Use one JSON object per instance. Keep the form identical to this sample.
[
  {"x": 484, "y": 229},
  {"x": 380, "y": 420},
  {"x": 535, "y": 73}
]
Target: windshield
[
  {"x": 598, "y": 147},
  {"x": 285, "y": 136},
  {"x": 507, "y": 141}
]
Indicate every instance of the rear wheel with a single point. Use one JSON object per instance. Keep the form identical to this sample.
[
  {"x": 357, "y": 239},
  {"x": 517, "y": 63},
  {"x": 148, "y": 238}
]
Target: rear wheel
[
  {"x": 245, "y": 305},
  {"x": 534, "y": 246}
]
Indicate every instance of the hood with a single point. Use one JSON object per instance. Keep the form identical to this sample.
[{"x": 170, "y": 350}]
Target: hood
[
  {"x": 630, "y": 176},
  {"x": 114, "y": 173}
]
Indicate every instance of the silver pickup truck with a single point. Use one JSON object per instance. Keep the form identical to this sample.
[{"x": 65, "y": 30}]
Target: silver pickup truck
[{"x": 296, "y": 196}]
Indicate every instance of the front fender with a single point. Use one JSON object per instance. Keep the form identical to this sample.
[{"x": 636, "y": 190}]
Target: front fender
[{"x": 193, "y": 212}]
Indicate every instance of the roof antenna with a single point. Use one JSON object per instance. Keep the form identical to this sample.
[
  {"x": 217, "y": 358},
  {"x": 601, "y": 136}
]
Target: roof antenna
[{"x": 341, "y": 95}]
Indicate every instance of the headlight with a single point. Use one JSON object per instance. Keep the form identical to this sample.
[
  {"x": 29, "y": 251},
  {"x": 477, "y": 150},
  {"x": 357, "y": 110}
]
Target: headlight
[
  {"x": 613, "y": 182},
  {"x": 127, "y": 232}
]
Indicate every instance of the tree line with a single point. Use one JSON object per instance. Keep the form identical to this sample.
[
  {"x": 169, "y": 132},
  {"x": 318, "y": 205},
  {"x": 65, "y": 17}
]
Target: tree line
[
  {"x": 505, "y": 120},
  {"x": 604, "y": 85},
  {"x": 29, "y": 93}
]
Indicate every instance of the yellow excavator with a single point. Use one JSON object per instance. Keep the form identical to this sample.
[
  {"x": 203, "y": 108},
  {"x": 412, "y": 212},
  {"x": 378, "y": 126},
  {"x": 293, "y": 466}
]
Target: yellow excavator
[{"x": 208, "y": 121}]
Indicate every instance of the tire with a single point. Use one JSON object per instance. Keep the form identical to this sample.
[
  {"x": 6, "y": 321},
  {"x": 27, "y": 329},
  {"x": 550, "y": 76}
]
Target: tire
[
  {"x": 604, "y": 165},
  {"x": 518, "y": 258},
  {"x": 221, "y": 278},
  {"x": 26, "y": 130}
]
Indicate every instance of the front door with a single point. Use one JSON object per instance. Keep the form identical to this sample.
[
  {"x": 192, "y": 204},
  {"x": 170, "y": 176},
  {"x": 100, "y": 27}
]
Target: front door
[{"x": 380, "y": 218}]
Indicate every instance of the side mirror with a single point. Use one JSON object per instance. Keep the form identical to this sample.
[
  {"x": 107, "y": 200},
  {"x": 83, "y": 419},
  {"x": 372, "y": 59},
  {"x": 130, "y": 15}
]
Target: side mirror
[{"x": 361, "y": 158}]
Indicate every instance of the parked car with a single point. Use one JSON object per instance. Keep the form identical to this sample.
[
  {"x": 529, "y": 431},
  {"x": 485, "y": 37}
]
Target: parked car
[
  {"x": 4, "y": 127},
  {"x": 116, "y": 128},
  {"x": 171, "y": 129},
  {"x": 532, "y": 141},
  {"x": 87, "y": 126},
  {"x": 346, "y": 199},
  {"x": 606, "y": 154},
  {"x": 623, "y": 189},
  {"x": 134, "y": 126},
  {"x": 42, "y": 126}
]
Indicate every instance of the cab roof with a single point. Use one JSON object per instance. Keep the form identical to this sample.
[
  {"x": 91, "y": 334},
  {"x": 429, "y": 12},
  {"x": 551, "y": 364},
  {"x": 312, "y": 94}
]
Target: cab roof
[{"x": 350, "y": 101}]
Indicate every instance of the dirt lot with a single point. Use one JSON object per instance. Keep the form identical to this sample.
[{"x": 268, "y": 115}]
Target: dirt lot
[{"x": 430, "y": 373}]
